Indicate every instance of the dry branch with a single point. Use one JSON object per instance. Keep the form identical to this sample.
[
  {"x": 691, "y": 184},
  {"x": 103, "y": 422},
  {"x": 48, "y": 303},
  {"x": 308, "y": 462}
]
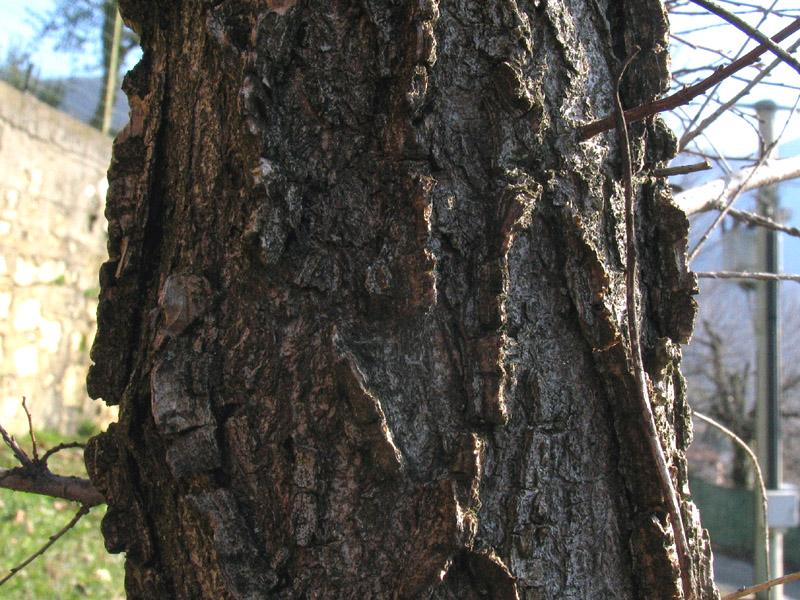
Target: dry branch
[
  {"x": 34, "y": 477},
  {"x": 752, "y": 218},
  {"x": 34, "y": 445},
  {"x": 22, "y": 457},
  {"x": 45, "y": 483},
  {"x": 710, "y": 195},
  {"x": 762, "y": 488},
  {"x": 689, "y": 135},
  {"x": 762, "y": 586},
  {"x": 682, "y": 169},
  {"x": 687, "y": 94},
  {"x": 82, "y": 511},
  {"x": 749, "y": 31},
  {"x": 746, "y": 275}
]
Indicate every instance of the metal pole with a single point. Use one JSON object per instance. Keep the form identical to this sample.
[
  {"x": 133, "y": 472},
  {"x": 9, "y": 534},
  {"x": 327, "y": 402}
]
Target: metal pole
[
  {"x": 113, "y": 67},
  {"x": 769, "y": 361}
]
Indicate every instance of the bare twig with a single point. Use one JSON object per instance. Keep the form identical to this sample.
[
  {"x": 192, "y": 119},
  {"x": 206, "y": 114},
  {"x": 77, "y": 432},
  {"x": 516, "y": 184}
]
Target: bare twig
[
  {"x": 687, "y": 94},
  {"x": 724, "y": 211},
  {"x": 710, "y": 195},
  {"x": 766, "y": 153},
  {"x": 34, "y": 476},
  {"x": 39, "y": 480},
  {"x": 23, "y": 458},
  {"x": 762, "y": 488},
  {"x": 762, "y": 586},
  {"x": 760, "y": 220},
  {"x": 682, "y": 169},
  {"x": 749, "y": 31},
  {"x": 59, "y": 448},
  {"x": 689, "y": 135},
  {"x": 82, "y": 511},
  {"x": 746, "y": 275},
  {"x": 34, "y": 449},
  {"x": 634, "y": 339}
]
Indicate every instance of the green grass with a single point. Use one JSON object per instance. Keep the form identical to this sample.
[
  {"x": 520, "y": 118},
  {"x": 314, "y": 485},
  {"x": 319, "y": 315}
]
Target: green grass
[{"x": 77, "y": 566}]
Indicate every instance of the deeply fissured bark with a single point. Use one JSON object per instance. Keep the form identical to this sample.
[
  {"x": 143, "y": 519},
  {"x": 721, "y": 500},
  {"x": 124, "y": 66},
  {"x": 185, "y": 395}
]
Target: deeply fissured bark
[{"x": 364, "y": 308}]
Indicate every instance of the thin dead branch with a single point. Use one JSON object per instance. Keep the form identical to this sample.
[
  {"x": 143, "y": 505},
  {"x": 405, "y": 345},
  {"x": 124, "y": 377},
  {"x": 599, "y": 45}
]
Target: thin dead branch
[
  {"x": 59, "y": 448},
  {"x": 82, "y": 511},
  {"x": 746, "y": 275},
  {"x": 687, "y": 94},
  {"x": 749, "y": 31},
  {"x": 682, "y": 169},
  {"x": 711, "y": 195},
  {"x": 693, "y": 133},
  {"x": 634, "y": 339},
  {"x": 762, "y": 586},
  {"x": 727, "y": 207},
  {"x": 34, "y": 448},
  {"x": 762, "y": 488},
  {"x": 34, "y": 477},
  {"x": 761, "y": 221},
  {"x": 22, "y": 457},
  {"x": 39, "y": 480}
]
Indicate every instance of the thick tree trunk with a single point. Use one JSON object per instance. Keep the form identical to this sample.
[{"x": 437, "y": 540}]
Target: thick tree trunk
[{"x": 365, "y": 303}]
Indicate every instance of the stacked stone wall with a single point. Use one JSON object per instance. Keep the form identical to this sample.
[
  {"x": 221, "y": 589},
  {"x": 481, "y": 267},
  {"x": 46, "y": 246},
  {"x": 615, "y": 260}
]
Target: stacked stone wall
[{"x": 52, "y": 242}]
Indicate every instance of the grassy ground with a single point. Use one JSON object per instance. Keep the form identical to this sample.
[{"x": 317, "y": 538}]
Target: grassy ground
[{"x": 77, "y": 566}]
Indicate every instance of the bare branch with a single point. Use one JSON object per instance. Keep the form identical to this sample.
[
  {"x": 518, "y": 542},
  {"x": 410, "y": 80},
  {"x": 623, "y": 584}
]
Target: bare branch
[
  {"x": 30, "y": 430},
  {"x": 709, "y": 196},
  {"x": 690, "y": 135},
  {"x": 682, "y": 169},
  {"x": 762, "y": 586},
  {"x": 22, "y": 457},
  {"x": 723, "y": 212},
  {"x": 749, "y": 31},
  {"x": 746, "y": 275},
  {"x": 82, "y": 511},
  {"x": 41, "y": 481},
  {"x": 687, "y": 94},
  {"x": 34, "y": 476},
  {"x": 59, "y": 448},
  {"x": 761, "y": 221}
]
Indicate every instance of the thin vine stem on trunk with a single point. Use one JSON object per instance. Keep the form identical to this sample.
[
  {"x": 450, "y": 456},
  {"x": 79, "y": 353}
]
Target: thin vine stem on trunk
[{"x": 634, "y": 339}]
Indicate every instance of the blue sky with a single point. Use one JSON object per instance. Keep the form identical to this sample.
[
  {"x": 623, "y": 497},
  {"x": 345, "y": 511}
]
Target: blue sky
[
  {"x": 18, "y": 30},
  {"x": 731, "y": 135}
]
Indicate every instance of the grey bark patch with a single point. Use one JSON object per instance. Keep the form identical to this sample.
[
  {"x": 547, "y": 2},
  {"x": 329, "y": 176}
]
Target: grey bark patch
[
  {"x": 236, "y": 550},
  {"x": 174, "y": 407},
  {"x": 194, "y": 452}
]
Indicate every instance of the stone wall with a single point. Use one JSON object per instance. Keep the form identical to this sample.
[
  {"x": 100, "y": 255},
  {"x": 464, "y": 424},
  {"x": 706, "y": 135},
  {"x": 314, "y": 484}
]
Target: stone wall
[{"x": 52, "y": 242}]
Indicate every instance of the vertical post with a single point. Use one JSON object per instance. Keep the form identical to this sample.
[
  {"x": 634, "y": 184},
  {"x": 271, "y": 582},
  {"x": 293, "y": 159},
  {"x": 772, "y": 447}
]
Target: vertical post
[
  {"x": 111, "y": 80},
  {"x": 767, "y": 327}
]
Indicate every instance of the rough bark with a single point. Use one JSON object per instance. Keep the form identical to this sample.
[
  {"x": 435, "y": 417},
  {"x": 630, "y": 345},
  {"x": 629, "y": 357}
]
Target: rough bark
[{"x": 364, "y": 307}]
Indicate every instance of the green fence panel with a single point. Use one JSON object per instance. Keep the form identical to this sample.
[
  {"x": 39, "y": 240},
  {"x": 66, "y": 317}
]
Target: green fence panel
[{"x": 727, "y": 513}]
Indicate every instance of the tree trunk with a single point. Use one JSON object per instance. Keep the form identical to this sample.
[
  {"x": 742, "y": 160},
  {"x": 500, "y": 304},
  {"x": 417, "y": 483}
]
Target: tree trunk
[{"x": 365, "y": 303}]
